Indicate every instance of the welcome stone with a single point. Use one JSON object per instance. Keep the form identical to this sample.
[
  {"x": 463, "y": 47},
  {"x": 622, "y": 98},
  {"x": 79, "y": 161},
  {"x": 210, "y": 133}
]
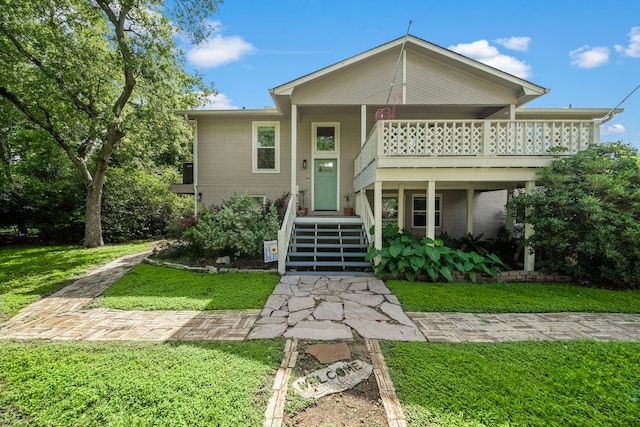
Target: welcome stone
[{"x": 334, "y": 378}]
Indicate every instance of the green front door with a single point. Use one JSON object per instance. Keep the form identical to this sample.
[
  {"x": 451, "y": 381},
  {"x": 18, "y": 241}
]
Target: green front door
[{"x": 325, "y": 184}]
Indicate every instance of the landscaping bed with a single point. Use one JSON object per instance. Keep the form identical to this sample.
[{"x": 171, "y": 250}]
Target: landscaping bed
[{"x": 355, "y": 407}]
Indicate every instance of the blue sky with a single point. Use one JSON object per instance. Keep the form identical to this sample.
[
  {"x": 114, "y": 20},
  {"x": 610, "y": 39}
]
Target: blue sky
[{"x": 587, "y": 52}]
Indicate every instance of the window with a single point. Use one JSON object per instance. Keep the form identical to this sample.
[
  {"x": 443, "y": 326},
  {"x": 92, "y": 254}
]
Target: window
[
  {"x": 266, "y": 146},
  {"x": 325, "y": 137},
  {"x": 419, "y": 211}
]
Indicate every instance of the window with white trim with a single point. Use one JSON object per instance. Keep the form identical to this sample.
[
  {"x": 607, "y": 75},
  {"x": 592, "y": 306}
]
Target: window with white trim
[
  {"x": 326, "y": 138},
  {"x": 419, "y": 211},
  {"x": 266, "y": 146}
]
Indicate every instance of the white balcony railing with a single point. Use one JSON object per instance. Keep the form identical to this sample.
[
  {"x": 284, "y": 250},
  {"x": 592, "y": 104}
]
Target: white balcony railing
[{"x": 480, "y": 138}]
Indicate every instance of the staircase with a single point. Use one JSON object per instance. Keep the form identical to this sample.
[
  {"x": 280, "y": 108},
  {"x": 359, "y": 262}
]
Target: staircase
[{"x": 328, "y": 245}]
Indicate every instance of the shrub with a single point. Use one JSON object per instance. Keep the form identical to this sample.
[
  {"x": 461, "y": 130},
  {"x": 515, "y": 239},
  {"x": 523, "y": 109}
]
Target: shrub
[
  {"x": 404, "y": 255},
  {"x": 234, "y": 228},
  {"x": 586, "y": 214},
  {"x": 138, "y": 204}
]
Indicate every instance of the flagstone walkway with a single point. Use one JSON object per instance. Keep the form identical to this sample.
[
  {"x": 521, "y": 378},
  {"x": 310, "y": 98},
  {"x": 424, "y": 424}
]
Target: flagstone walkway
[{"x": 303, "y": 307}]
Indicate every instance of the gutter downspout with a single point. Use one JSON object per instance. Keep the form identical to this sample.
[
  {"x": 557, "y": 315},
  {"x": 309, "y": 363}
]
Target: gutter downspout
[{"x": 194, "y": 127}]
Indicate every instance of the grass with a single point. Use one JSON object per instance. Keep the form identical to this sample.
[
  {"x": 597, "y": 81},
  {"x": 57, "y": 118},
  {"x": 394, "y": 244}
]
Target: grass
[
  {"x": 149, "y": 287},
  {"x": 178, "y": 384},
  {"x": 511, "y": 298},
  {"x": 28, "y": 273},
  {"x": 575, "y": 383}
]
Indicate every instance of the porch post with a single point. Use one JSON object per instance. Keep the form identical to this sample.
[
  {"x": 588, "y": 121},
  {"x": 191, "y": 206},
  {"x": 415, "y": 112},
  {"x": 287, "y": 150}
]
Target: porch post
[
  {"x": 377, "y": 214},
  {"x": 401, "y": 206},
  {"x": 294, "y": 148},
  {"x": 431, "y": 210},
  {"x": 363, "y": 125},
  {"x": 529, "y": 256},
  {"x": 470, "y": 193}
]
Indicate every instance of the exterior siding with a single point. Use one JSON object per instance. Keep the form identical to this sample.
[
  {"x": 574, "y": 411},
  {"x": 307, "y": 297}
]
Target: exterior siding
[
  {"x": 489, "y": 212},
  {"x": 349, "y": 119},
  {"x": 372, "y": 77},
  {"x": 432, "y": 82},
  {"x": 225, "y": 160}
]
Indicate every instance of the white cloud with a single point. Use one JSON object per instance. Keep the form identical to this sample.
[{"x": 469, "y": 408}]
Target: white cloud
[
  {"x": 521, "y": 44},
  {"x": 218, "y": 101},
  {"x": 634, "y": 44},
  {"x": 614, "y": 129},
  {"x": 219, "y": 50},
  {"x": 589, "y": 57},
  {"x": 482, "y": 51}
]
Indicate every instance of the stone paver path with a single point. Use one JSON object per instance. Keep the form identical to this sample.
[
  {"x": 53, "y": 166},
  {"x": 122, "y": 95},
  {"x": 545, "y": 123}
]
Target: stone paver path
[
  {"x": 305, "y": 307},
  {"x": 63, "y": 316},
  {"x": 481, "y": 327},
  {"x": 332, "y": 308}
]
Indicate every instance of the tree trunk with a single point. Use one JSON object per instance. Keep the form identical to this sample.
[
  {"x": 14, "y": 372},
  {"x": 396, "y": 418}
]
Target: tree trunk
[{"x": 93, "y": 218}]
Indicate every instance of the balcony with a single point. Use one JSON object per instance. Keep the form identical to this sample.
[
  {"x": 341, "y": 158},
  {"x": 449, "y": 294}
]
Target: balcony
[{"x": 472, "y": 143}]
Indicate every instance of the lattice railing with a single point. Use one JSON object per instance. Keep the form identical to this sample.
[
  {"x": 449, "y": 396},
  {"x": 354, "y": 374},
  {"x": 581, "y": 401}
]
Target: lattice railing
[{"x": 415, "y": 138}]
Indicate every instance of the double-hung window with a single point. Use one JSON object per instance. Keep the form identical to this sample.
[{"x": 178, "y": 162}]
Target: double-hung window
[
  {"x": 419, "y": 211},
  {"x": 266, "y": 147}
]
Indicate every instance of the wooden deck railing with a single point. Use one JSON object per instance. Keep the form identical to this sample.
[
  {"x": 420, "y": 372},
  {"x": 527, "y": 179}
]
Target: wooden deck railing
[{"x": 479, "y": 138}]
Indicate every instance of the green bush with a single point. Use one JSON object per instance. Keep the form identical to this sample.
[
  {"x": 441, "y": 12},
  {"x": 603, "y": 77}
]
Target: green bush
[
  {"x": 138, "y": 204},
  {"x": 404, "y": 255},
  {"x": 235, "y": 228},
  {"x": 586, "y": 214}
]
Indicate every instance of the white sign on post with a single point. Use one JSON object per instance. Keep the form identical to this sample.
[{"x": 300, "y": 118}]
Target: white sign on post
[{"x": 271, "y": 251}]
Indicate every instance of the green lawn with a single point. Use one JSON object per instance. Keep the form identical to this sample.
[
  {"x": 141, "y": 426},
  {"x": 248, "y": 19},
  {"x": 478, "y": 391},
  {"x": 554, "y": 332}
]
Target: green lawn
[
  {"x": 575, "y": 383},
  {"x": 29, "y": 272},
  {"x": 149, "y": 287},
  {"x": 102, "y": 384},
  {"x": 511, "y": 298}
]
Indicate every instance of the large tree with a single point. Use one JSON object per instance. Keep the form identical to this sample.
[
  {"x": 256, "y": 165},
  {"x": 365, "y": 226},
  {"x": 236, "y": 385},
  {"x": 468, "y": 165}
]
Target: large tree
[{"x": 88, "y": 72}]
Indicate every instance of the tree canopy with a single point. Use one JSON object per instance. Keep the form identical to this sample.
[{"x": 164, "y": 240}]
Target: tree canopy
[
  {"x": 93, "y": 75},
  {"x": 586, "y": 215}
]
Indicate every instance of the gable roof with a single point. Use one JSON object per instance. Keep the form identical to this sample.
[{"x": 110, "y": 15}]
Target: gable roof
[{"x": 438, "y": 77}]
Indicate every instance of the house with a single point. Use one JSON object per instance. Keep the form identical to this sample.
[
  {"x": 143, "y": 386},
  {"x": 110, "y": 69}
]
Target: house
[{"x": 422, "y": 136}]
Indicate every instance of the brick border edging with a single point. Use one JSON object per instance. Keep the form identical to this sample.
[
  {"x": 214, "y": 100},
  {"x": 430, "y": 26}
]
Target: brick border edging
[{"x": 207, "y": 269}]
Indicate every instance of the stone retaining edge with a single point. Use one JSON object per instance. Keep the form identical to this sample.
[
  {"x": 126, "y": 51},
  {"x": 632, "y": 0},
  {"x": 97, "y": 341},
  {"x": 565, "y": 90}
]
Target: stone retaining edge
[{"x": 207, "y": 269}]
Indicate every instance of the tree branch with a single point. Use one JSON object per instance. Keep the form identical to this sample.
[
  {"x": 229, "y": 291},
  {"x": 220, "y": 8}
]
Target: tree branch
[
  {"x": 86, "y": 108},
  {"x": 50, "y": 129}
]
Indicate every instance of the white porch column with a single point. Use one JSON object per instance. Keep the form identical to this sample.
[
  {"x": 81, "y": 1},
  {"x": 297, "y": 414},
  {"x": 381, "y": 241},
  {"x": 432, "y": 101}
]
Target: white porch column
[
  {"x": 431, "y": 210},
  {"x": 294, "y": 148},
  {"x": 377, "y": 214},
  {"x": 401, "y": 210},
  {"x": 363, "y": 125},
  {"x": 470, "y": 193},
  {"x": 529, "y": 256}
]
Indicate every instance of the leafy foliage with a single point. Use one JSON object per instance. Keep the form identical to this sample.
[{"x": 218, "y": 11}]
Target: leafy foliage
[
  {"x": 235, "y": 228},
  {"x": 93, "y": 74},
  {"x": 403, "y": 255},
  {"x": 138, "y": 204},
  {"x": 586, "y": 214}
]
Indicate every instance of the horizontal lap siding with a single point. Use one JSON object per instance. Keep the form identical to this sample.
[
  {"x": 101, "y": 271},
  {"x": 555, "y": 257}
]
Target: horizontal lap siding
[
  {"x": 225, "y": 160},
  {"x": 432, "y": 82},
  {"x": 349, "y": 119}
]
